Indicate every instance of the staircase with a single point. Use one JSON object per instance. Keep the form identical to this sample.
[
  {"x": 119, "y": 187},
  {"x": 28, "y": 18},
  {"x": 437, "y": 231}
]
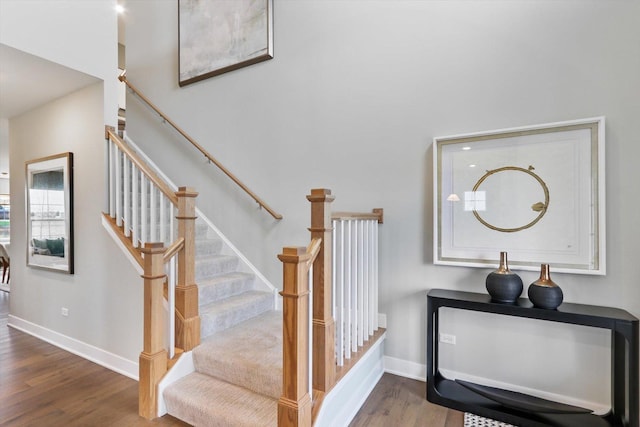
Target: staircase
[
  {"x": 238, "y": 366},
  {"x": 237, "y": 363}
]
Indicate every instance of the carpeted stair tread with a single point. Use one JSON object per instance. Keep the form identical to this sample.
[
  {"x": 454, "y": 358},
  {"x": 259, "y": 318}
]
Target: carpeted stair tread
[
  {"x": 249, "y": 354},
  {"x": 206, "y": 247},
  {"x": 214, "y": 265},
  {"x": 224, "y": 286},
  {"x": 225, "y": 313},
  {"x": 201, "y": 400},
  {"x": 202, "y": 229}
]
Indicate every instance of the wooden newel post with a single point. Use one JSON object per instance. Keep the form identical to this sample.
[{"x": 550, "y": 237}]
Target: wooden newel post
[
  {"x": 153, "y": 359},
  {"x": 188, "y": 323},
  {"x": 294, "y": 407},
  {"x": 324, "y": 327}
]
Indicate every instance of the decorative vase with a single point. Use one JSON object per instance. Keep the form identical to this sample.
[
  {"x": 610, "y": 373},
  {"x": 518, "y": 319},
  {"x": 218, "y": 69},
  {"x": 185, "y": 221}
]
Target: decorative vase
[
  {"x": 503, "y": 285},
  {"x": 544, "y": 293}
]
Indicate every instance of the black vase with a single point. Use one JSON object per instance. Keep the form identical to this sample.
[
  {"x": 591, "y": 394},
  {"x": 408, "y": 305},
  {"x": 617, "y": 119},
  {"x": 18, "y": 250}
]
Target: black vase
[
  {"x": 544, "y": 293},
  {"x": 503, "y": 285}
]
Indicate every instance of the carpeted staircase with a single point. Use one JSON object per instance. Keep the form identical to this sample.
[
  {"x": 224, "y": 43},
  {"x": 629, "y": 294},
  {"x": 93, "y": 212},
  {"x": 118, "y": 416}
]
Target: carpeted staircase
[{"x": 238, "y": 366}]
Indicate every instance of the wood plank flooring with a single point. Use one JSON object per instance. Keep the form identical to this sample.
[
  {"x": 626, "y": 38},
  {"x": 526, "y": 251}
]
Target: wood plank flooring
[{"x": 42, "y": 385}]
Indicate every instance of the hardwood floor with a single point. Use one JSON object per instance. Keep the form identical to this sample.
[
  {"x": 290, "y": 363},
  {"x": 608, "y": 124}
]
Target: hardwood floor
[
  {"x": 398, "y": 401},
  {"x": 42, "y": 385}
]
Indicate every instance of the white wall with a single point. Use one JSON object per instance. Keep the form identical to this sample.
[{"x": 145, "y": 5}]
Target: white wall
[
  {"x": 352, "y": 100},
  {"x": 82, "y": 35}
]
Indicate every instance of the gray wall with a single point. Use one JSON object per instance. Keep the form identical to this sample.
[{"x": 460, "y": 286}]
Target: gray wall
[
  {"x": 104, "y": 296},
  {"x": 352, "y": 100}
]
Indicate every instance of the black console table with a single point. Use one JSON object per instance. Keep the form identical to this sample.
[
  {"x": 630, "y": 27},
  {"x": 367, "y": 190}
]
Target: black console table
[{"x": 624, "y": 361}]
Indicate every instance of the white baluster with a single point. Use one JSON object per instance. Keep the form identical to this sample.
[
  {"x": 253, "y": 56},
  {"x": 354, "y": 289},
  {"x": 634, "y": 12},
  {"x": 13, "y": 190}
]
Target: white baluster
[
  {"x": 360, "y": 307},
  {"x": 127, "y": 197},
  {"x": 163, "y": 219},
  {"x": 339, "y": 294},
  {"x": 171, "y": 301},
  {"x": 373, "y": 266},
  {"x": 310, "y": 330},
  {"x": 172, "y": 216},
  {"x": 135, "y": 196},
  {"x": 354, "y": 286},
  {"x": 348, "y": 275},
  {"x": 144, "y": 206},
  {"x": 375, "y": 276},
  {"x": 153, "y": 212},
  {"x": 118, "y": 189},
  {"x": 112, "y": 180},
  {"x": 365, "y": 280}
]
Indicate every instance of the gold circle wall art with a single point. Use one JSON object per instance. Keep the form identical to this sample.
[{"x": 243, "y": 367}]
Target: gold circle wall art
[{"x": 514, "y": 175}]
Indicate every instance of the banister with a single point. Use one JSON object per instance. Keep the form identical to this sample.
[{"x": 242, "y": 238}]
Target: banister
[
  {"x": 377, "y": 214},
  {"x": 148, "y": 172},
  {"x": 173, "y": 249},
  {"x": 312, "y": 251},
  {"x": 122, "y": 77}
]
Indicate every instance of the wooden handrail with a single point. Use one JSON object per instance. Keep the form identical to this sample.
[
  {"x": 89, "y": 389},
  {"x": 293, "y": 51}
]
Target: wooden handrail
[
  {"x": 173, "y": 249},
  {"x": 377, "y": 214},
  {"x": 312, "y": 251},
  {"x": 122, "y": 77},
  {"x": 146, "y": 170}
]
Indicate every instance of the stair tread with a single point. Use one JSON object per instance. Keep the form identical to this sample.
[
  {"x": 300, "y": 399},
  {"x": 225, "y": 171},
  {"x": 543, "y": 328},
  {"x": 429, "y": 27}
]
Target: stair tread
[
  {"x": 234, "y": 275},
  {"x": 224, "y": 286},
  {"x": 234, "y": 302},
  {"x": 227, "y": 312},
  {"x": 207, "y": 246},
  {"x": 191, "y": 400},
  {"x": 248, "y": 354},
  {"x": 214, "y": 265}
]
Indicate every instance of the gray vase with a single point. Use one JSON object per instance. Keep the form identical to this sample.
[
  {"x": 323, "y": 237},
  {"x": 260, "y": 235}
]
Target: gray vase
[
  {"x": 544, "y": 293},
  {"x": 503, "y": 285}
]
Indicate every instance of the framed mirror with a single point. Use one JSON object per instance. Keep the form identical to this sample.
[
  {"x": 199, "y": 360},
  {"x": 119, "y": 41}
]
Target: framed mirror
[
  {"x": 536, "y": 192},
  {"x": 49, "y": 188}
]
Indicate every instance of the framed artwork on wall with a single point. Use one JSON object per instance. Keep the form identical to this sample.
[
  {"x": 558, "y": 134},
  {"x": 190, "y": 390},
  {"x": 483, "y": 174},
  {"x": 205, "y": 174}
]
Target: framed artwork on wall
[
  {"x": 49, "y": 191},
  {"x": 536, "y": 192},
  {"x": 217, "y": 36}
]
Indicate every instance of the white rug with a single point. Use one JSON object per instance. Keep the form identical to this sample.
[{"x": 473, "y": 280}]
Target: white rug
[{"x": 471, "y": 420}]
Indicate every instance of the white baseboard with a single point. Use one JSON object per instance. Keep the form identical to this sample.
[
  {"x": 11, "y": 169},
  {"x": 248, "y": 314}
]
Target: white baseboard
[
  {"x": 405, "y": 368},
  {"x": 97, "y": 355},
  {"x": 417, "y": 371},
  {"x": 345, "y": 400}
]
